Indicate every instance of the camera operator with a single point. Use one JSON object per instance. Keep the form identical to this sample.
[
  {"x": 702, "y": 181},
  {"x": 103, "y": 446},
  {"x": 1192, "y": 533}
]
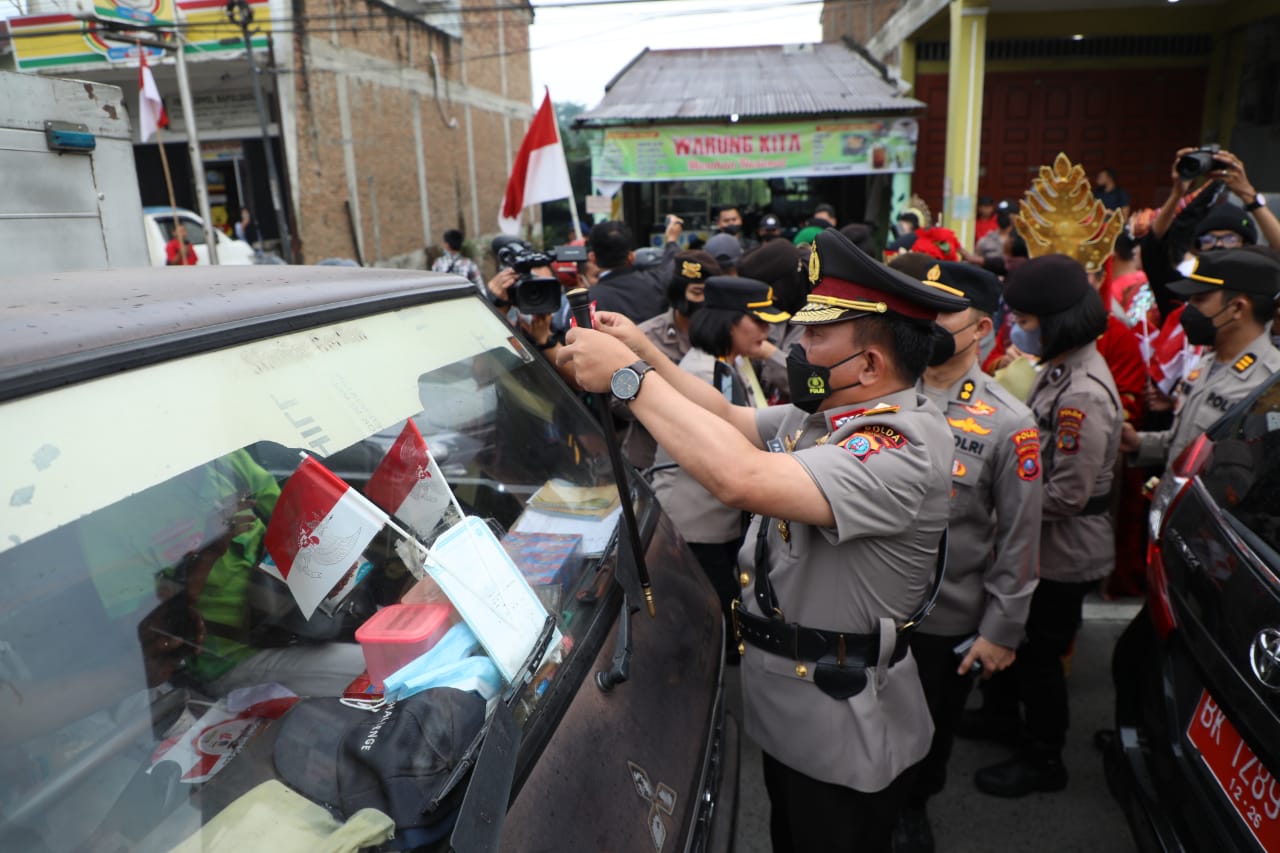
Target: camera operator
[
  {"x": 532, "y": 295},
  {"x": 1177, "y": 227}
]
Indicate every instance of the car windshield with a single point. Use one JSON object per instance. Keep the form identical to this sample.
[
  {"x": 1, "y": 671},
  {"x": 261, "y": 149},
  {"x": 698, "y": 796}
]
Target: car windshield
[
  {"x": 177, "y": 577},
  {"x": 195, "y": 230}
]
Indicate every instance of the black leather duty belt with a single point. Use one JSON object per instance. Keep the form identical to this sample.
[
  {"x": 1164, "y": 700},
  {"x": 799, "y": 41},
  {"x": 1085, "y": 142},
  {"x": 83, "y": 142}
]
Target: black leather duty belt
[
  {"x": 1097, "y": 505},
  {"x": 796, "y": 642}
]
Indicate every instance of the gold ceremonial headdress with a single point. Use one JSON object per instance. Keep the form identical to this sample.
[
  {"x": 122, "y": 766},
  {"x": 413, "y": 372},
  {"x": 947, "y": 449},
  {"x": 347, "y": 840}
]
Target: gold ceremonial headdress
[{"x": 1060, "y": 215}]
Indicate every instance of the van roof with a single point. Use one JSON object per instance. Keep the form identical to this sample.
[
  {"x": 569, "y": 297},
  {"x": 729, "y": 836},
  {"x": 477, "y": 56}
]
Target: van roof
[{"x": 63, "y": 327}]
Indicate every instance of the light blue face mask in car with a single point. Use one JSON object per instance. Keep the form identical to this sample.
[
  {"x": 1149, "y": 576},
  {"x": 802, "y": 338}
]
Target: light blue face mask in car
[{"x": 449, "y": 663}]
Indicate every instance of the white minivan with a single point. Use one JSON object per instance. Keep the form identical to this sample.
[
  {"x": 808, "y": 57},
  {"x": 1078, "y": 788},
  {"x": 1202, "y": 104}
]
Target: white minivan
[{"x": 158, "y": 223}]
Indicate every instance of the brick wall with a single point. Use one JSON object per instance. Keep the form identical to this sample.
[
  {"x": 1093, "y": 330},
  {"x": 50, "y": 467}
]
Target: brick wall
[
  {"x": 384, "y": 60},
  {"x": 858, "y": 19}
]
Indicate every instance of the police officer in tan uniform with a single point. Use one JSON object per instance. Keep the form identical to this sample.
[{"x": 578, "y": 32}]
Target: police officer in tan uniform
[
  {"x": 1231, "y": 298},
  {"x": 993, "y": 543},
  {"x": 850, "y": 489},
  {"x": 1077, "y": 409},
  {"x": 669, "y": 331}
]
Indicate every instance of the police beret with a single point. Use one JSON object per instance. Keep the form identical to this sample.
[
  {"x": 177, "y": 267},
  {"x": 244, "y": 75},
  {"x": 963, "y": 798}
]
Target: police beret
[
  {"x": 770, "y": 262},
  {"x": 1046, "y": 285},
  {"x": 1242, "y": 270},
  {"x": 743, "y": 294},
  {"x": 850, "y": 283},
  {"x": 1227, "y": 217}
]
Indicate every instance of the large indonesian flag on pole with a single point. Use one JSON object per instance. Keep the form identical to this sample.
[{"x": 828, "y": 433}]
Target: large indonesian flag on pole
[
  {"x": 408, "y": 484},
  {"x": 318, "y": 530},
  {"x": 539, "y": 173},
  {"x": 151, "y": 111}
]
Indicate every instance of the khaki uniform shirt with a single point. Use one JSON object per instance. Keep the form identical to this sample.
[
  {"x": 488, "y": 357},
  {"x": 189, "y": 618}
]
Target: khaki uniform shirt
[
  {"x": 1077, "y": 408},
  {"x": 696, "y": 513},
  {"x": 638, "y": 445},
  {"x": 885, "y": 475},
  {"x": 1205, "y": 395},
  {"x": 993, "y": 539}
]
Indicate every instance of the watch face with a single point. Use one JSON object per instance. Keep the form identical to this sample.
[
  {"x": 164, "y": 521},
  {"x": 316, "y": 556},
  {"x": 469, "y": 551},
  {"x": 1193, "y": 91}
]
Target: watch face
[{"x": 625, "y": 384}]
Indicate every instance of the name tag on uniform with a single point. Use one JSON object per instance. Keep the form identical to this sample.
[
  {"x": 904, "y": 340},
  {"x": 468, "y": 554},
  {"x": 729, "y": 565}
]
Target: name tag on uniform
[{"x": 774, "y": 445}]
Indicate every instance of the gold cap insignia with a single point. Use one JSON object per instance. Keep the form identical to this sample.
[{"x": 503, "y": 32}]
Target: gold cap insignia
[
  {"x": 815, "y": 266},
  {"x": 934, "y": 273},
  {"x": 691, "y": 269}
]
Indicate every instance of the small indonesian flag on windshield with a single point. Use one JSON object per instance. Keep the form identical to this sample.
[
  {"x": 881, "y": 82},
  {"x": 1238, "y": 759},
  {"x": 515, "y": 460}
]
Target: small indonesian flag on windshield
[
  {"x": 318, "y": 530},
  {"x": 408, "y": 484}
]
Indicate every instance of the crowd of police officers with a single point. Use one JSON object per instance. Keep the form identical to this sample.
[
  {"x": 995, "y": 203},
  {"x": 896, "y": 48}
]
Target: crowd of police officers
[{"x": 870, "y": 450}]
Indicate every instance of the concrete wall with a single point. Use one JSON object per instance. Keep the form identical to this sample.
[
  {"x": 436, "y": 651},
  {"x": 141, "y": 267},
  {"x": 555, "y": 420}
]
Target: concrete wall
[{"x": 410, "y": 129}]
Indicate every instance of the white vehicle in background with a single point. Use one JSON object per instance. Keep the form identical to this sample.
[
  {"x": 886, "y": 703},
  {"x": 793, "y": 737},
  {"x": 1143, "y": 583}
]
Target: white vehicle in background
[{"x": 158, "y": 223}]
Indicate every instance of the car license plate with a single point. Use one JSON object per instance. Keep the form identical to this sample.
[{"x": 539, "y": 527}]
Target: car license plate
[{"x": 1251, "y": 787}]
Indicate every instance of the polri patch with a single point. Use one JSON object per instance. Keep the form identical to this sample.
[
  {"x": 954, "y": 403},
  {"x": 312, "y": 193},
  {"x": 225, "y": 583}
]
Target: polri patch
[
  {"x": 1026, "y": 443},
  {"x": 1069, "y": 422},
  {"x": 873, "y": 438},
  {"x": 1244, "y": 362}
]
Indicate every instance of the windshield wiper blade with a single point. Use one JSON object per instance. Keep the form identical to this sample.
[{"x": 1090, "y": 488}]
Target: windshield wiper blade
[{"x": 493, "y": 755}]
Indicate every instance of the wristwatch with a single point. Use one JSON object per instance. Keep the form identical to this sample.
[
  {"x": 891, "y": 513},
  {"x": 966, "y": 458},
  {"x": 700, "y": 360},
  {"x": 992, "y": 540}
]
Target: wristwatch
[
  {"x": 625, "y": 384},
  {"x": 1258, "y": 201}
]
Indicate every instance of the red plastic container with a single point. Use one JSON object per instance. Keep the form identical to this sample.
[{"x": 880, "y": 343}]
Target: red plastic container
[{"x": 396, "y": 635}]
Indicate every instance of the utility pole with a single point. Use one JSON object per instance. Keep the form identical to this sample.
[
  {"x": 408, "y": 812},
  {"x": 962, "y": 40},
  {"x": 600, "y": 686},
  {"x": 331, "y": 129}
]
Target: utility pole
[{"x": 242, "y": 16}]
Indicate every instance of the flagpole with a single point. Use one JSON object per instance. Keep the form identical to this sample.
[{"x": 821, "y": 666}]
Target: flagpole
[
  {"x": 168, "y": 180},
  {"x": 193, "y": 150}
]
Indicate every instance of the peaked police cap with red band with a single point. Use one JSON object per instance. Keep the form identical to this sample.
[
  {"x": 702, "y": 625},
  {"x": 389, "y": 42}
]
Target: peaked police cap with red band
[{"x": 849, "y": 283}]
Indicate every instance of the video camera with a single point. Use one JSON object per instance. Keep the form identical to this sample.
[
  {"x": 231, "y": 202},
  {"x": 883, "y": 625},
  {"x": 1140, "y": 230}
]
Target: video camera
[
  {"x": 536, "y": 294},
  {"x": 1199, "y": 162}
]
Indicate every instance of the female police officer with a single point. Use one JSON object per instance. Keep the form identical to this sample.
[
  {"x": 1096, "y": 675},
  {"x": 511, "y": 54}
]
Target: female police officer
[
  {"x": 850, "y": 509},
  {"x": 1077, "y": 408},
  {"x": 733, "y": 323}
]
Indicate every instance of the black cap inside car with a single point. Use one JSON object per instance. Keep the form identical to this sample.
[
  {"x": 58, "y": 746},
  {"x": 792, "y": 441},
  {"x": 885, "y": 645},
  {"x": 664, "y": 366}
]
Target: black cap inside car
[
  {"x": 850, "y": 283},
  {"x": 1241, "y": 270}
]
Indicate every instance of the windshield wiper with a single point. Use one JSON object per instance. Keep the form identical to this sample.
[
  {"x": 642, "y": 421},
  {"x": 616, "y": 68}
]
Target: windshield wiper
[
  {"x": 634, "y": 578},
  {"x": 493, "y": 754}
]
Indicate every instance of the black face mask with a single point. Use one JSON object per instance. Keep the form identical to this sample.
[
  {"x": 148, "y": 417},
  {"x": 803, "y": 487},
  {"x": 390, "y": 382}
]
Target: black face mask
[
  {"x": 944, "y": 344},
  {"x": 810, "y": 384},
  {"x": 1200, "y": 328},
  {"x": 735, "y": 230},
  {"x": 687, "y": 307}
]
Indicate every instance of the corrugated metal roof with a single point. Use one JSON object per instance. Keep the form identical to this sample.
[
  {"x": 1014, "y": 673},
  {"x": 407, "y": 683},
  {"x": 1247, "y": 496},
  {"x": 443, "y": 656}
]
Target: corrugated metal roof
[{"x": 753, "y": 82}]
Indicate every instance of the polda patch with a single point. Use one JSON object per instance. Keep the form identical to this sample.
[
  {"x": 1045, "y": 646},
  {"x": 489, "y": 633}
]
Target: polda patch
[
  {"x": 1026, "y": 443},
  {"x": 873, "y": 438}
]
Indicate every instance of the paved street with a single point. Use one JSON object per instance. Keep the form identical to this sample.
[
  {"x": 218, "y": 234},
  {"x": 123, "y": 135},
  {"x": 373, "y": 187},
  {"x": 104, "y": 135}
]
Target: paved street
[{"x": 1083, "y": 818}]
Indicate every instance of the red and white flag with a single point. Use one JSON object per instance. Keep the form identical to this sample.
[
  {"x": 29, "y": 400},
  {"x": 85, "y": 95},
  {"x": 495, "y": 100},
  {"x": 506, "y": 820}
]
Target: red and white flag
[
  {"x": 540, "y": 172},
  {"x": 151, "y": 112},
  {"x": 408, "y": 484},
  {"x": 318, "y": 530},
  {"x": 213, "y": 740}
]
